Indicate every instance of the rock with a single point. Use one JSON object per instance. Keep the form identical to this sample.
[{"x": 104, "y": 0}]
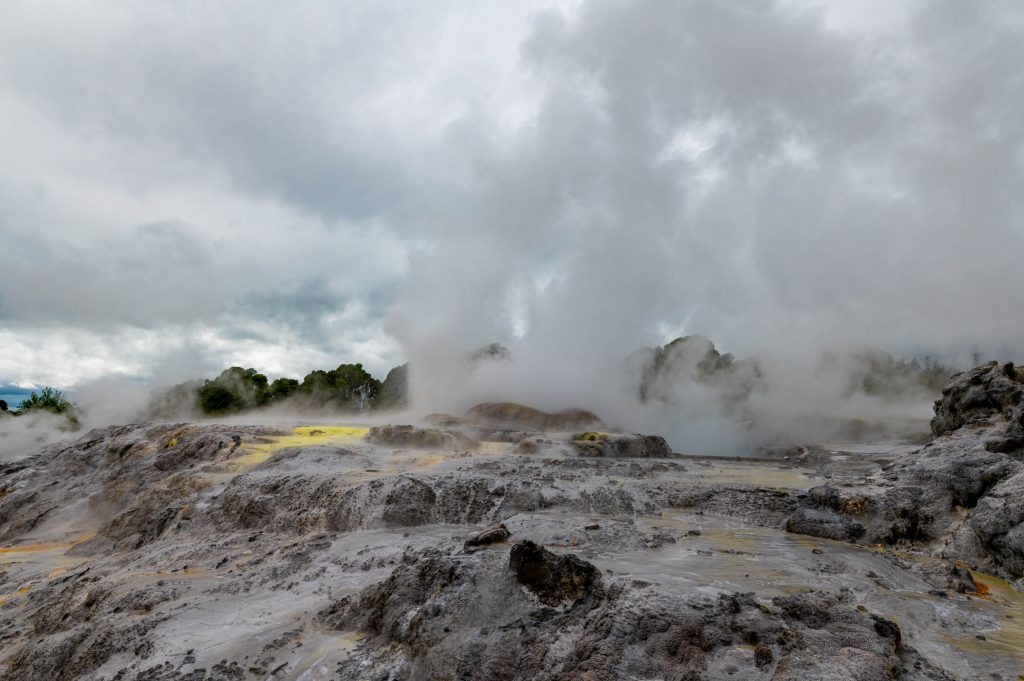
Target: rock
[
  {"x": 420, "y": 438},
  {"x": 491, "y": 351},
  {"x": 984, "y": 396},
  {"x": 625, "y": 446},
  {"x": 492, "y": 535},
  {"x": 974, "y": 467},
  {"x": 3, "y": 405},
  {"x": 824, "y": 523},
  {"x": 394, "y": 391},
  {"x": 512, "y": 415},
  {"x": 998, "y": 522},
  {"x": 444, "y": 420},
  {"x": 454, "y": 617},
  {"x": 961, "y": 580},
  {"x": 888, "y": 629},
  {"x": 555, "y": 580}
]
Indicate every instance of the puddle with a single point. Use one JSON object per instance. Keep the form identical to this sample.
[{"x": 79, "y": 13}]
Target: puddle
[{"x": 773, "y": 477}]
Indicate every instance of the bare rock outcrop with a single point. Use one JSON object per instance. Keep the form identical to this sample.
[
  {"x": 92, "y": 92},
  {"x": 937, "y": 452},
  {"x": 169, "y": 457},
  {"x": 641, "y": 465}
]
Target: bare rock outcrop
[
  {"x": 961, "y": 494},
  {"x": 437, "y": 616}
]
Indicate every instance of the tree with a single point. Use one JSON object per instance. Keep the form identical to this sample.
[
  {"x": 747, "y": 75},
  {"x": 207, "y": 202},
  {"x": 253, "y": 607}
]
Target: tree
[
  {"x": 46, "y": 399},
  {"x": 234, "y": 389},
  {"x": 349, "y": 386},
  {"x": 214, "y": 398},
  {"x": 281, "y": 389}
]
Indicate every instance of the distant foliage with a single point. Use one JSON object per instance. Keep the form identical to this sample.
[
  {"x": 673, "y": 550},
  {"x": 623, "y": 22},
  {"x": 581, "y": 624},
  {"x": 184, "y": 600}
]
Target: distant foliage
[
  {"x": 879, "y": 374},
  {"x": 349, "y": 387},
  {"x": 47, "y": 399}
]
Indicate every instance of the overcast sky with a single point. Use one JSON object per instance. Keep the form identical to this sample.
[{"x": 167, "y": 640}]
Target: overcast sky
[{"x": 190, "y": 185}]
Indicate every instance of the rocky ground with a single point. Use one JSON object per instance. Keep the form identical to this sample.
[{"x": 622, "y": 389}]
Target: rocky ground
[{"x": 513, "y": 544}]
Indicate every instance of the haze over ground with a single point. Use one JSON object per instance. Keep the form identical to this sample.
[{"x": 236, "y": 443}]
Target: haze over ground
[{"x": 187, "y": 187}]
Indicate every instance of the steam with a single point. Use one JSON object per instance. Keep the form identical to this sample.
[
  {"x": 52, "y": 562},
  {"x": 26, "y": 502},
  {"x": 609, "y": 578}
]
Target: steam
[
  {"x": 743, "y": 170},
  {"x": 787, "y": 178}
]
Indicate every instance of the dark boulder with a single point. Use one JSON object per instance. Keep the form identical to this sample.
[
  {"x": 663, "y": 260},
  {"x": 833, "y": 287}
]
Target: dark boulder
[
  {"x": 824, "y": 523},
  {"x": 555, "y": 580}
]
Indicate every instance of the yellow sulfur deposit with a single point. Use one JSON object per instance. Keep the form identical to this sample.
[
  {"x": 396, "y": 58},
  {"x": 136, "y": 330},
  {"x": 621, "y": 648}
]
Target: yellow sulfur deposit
[{"x": 302, "y": 436}]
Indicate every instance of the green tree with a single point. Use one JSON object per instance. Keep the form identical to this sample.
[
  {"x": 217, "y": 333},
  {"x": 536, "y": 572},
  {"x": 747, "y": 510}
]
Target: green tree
[
  {"x": 281, "y": 389},
  {"x": 47, "y": 399},
  {"x": 236, "y": 388},
  {"x": 214, "y": 398},
  {"x": 349, "y": 386}
]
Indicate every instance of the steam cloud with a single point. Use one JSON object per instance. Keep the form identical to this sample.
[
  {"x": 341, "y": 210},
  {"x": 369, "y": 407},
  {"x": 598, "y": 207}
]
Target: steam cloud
[{"x": 575, "y": 181}]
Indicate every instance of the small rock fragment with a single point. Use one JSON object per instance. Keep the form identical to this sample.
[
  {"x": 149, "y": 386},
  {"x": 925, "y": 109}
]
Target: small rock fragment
[{"x": 492, "y": 535}]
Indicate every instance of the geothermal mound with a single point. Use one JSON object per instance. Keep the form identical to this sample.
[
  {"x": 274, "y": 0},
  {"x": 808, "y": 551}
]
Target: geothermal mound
[
  {"x": 219, "y": 552},
  {"x": 511, "y": 415}
]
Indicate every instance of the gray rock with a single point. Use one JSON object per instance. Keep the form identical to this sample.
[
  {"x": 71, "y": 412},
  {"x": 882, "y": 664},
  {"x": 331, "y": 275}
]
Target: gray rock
[
  {"x": 492, "y": 535},
  {"x": 824, "y": 523},
  {"x": 621, "y": 445},
  {"x": 420, "y": 438},
  {"x": 998, "y": 521}
]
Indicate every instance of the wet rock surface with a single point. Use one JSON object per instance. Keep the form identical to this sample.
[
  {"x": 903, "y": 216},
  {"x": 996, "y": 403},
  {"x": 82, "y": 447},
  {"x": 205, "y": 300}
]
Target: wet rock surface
[
  {"x": 200, "y": 552},
  {"x": 958, "y": 496},
  {"x": 476, "y": 621}
]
